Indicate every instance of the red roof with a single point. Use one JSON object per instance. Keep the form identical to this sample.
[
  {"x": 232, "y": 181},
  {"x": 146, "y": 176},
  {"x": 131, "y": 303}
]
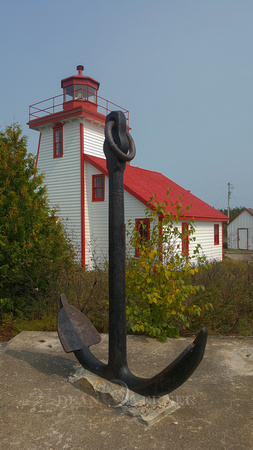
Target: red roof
[{"x": 142, "y": 184}]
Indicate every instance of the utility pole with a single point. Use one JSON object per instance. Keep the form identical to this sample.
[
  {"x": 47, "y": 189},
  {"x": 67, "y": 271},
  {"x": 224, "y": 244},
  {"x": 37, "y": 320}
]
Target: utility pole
[{"x": 229, "y": 196}]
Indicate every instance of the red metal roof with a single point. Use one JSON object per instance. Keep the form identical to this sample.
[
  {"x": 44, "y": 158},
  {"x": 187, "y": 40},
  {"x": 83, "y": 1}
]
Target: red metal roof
[{"x": 142, "y": 184}]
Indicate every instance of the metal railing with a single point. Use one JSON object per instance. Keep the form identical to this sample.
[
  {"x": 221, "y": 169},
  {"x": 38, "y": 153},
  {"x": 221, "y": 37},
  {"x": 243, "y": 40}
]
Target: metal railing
[{"x": 55, "y": 104}]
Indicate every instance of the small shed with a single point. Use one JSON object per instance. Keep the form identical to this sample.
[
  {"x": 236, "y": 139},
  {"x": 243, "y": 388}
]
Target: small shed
[{"x": 240, "y": 231}]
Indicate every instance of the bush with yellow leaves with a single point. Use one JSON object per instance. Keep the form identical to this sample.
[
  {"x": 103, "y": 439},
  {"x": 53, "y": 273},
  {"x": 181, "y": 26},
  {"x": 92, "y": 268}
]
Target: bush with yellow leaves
[{"x": 159, "y": 280}]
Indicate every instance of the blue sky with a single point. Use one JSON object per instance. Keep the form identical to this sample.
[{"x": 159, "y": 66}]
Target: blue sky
[{"x": 184, "y": 69}]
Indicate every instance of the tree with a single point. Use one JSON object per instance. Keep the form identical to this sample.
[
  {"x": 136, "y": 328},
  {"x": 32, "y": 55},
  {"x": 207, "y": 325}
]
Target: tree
[
  {"x": 33, "y": 244},
  {"x": 233, "y": 212},
  {"x": 159, "y": 281}
]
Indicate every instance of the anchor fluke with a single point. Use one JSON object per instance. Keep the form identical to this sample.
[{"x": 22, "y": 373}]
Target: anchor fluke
[{"x": 74, "y": 328}]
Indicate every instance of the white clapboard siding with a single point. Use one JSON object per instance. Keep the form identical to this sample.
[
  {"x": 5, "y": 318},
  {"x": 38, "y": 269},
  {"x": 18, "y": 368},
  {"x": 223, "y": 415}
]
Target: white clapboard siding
[
  {"x": 96, "y": 218},
  {"x": 204, "y": 234},
  {"x": 62, "y": 176},
  {"x": 93, "y": 138},
  {"x": 232, "y": 236},
  {"x": 96, "y": 221}
]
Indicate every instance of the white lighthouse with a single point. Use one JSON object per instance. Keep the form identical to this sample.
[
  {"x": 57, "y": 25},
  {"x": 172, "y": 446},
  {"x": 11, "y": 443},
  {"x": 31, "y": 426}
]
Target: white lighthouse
[
  {"x": 70, "y": 153},
  {"x": 71, "y": 125}
]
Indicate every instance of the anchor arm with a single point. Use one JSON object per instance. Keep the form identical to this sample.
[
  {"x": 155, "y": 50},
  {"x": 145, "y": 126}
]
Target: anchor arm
[{"x": 176, "y": 373}]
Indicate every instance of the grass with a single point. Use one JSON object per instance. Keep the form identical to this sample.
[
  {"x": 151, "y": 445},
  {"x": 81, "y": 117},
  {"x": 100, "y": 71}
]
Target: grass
[{"x": 228, "y": 251}]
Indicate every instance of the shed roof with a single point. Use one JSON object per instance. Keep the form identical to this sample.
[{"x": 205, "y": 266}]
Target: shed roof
[
  {"x": 142, "y": 184},
  {"x": 249, "y": 210}
]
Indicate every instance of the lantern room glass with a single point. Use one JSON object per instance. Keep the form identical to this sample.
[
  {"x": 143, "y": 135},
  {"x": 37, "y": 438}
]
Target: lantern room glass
[{"x": 80, "y": 92}]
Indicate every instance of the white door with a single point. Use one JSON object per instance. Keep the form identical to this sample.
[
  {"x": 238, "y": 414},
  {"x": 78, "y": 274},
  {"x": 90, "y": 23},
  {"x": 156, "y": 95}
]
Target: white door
[{"x": 243, "y": 238}]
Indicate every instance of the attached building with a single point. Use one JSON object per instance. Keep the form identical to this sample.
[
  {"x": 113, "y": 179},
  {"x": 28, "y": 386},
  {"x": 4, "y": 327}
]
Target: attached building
[{"x": 70, "y": 154}]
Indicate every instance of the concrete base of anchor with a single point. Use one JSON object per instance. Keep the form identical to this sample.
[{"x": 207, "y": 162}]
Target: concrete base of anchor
[{"x": 115, "y": 394}]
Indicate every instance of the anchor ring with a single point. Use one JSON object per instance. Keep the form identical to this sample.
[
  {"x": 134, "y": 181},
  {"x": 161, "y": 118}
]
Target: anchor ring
[{"x": 121, "y": 155}]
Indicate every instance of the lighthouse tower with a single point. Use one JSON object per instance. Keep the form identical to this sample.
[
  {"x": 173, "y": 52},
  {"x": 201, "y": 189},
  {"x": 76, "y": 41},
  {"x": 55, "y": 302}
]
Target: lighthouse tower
[{"x": 71, "y": 125}]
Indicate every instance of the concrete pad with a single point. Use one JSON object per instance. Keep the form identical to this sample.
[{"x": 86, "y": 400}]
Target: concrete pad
[{"x": 41, "y": 409}]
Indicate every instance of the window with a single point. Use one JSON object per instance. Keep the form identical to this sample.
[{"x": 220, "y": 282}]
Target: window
[
  {"x": 98, "y": 188},
  {"x": 68, "y": 93},
  {"x": 185, "y": 238},
  {"x": 58, "y": 141},
  {"x": 80, "y": 92},
  {"x": 216, "y": 234},
  {"x": 84, "y": 92},
  {"x": 143, "y": 226}
]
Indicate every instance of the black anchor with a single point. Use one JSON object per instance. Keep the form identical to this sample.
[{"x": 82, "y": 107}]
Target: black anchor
[{"x": 77, "y": 333}]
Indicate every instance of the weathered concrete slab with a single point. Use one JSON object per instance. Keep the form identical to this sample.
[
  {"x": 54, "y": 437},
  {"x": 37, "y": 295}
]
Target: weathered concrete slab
[{"x": 41, "y": 409}]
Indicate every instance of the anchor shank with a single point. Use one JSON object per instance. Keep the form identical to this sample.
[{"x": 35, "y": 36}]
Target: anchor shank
[
  {"x": 117, "y": 363},
  {"x": 117, "y": 303}
]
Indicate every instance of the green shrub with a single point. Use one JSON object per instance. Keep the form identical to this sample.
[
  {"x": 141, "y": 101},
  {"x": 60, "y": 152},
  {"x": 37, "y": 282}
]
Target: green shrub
[
  {"x": 33, "y": 244},
  {"x": 6, "y": 307},
  {"x": 158, "y": 282},
  {"x": 86, "y": 290},
  {"x": 229, "y": 288},
  {"x": 47, "y": 322}
]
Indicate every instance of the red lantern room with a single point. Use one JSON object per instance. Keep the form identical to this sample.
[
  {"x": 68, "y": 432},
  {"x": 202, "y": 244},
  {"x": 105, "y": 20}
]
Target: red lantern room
[
  {"x": 79, "y": 99},
  {"x": 79, "y": 88}
]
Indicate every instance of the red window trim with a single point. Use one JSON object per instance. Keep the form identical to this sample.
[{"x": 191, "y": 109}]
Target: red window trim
[
  {"x": 185, "y": 240},
  {"x": 94, "y": 188},
  {"x": 216, "y": 232},
  {"x": 137, "y": 224},
  {"x": 57, "y": 128}
]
